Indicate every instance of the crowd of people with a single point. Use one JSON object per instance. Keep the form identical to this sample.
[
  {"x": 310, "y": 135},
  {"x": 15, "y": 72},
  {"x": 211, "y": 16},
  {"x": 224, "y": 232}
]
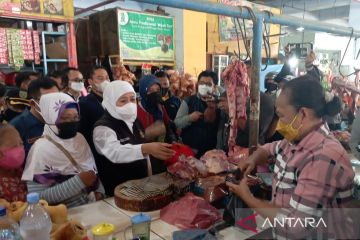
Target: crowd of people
[{"x": 74, "y": 140}]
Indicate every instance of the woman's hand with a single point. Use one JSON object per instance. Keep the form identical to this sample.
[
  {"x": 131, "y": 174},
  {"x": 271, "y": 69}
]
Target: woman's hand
[
  {"x": 99, "y": 196},
  {"x": 158, "y": 150},
  {"x": 88, "y": 178}
]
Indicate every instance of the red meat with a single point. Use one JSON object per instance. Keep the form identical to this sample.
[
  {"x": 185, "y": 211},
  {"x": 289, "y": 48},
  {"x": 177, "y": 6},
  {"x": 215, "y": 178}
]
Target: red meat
[
  {"x": 216, "y": 161},
  {"x": 190, "y": 212},
  {"x": 236, "y": 81}
]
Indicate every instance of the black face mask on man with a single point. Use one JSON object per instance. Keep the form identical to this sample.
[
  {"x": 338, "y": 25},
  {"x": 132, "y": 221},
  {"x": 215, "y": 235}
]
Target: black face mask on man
[
  {"x": 164, "y": 91},
  {"x": 68, "y": 130},
  {"x": 271, "y": 86},
  {"x": 154, "y": 99}
]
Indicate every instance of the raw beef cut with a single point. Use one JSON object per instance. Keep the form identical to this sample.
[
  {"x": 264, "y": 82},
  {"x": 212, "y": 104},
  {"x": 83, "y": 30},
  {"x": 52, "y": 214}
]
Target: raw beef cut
[
  {"x": 183, "y": 170},
  {"x": 238, "y": 155},
  {"x": 236, "y": 82},
  {"x": 188, "y": 168},
  {"x": 216, "y": 161},
  {"x": 190, "y": 212}
]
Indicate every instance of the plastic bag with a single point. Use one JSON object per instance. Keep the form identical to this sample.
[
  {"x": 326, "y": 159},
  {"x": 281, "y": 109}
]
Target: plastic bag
[
  {"x": 190, "y": 212},
  {"x": 239, "y": 154},
  {"x": 188, "y": 168},
  {"x": 182, "y": 169},
  {"x": 213, "y": 187},
  {"x": 216, "y": 162},
  {"x": 181, "y": 151}
]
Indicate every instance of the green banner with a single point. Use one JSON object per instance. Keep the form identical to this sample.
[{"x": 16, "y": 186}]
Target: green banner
[{"x": 146, "y": 37}]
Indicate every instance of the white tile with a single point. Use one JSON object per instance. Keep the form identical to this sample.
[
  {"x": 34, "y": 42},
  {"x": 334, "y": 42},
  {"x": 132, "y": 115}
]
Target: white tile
[
  {"x": 120, "y": 236},
  {"x": 154, "y": 214},
  {"x": 100, "y": 212},
  {"x": 235, "y": 233},
  {"x": 163, "y": 229}
]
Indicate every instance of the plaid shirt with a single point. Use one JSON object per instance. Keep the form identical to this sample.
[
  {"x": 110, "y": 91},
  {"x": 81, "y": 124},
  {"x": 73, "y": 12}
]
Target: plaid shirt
[{"x": 310, "y": 176}]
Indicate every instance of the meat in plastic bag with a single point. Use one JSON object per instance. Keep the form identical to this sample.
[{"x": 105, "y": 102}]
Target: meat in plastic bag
[
  {"x": 190, "y": 212},
  {"x": 214, "y": 188},
  {"x": 182, "y": 170},
  {"x": 188, "y": 168},
  {"x": 239, "y": 154},
  {"x": 216, "y": 162}
]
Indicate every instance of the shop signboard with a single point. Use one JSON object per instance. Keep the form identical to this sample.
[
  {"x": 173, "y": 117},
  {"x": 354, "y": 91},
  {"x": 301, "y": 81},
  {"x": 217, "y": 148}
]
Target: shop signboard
[
  {"x": 227, "y": 29},
  {"x": 146, "y": 37},
  {"x": 52, "y": 9}
]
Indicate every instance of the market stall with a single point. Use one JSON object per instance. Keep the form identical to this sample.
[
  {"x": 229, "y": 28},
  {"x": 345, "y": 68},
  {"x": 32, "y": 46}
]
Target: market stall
[
  {"x": 38, "y": 36},
  {"x": 128, "y": 38}
]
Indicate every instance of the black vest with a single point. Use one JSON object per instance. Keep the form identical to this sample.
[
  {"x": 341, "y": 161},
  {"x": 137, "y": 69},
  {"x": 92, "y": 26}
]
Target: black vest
[
  {"x": 112, "y": 174},
  {"x": 200, "y": 135}
]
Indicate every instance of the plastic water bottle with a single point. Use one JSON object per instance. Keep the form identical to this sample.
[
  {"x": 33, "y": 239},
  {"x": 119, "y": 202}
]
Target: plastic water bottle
[
  {"x": 36, "y": 222},
  {"x": 9, "y": 229}
]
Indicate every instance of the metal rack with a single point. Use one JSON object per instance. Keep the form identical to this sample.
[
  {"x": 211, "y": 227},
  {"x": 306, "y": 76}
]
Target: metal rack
[
  {"x": 69, "y": 34},
  {"x": 46, "y": 60}
]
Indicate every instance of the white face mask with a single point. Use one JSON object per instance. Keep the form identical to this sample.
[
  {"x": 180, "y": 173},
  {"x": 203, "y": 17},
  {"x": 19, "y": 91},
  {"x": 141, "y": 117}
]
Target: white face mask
[
  {"x": 101, "y": 87},
  {"x": 127, "y": 113},
  {"x": 205, "y": 90},
  {"x": 77, "y": 86}
]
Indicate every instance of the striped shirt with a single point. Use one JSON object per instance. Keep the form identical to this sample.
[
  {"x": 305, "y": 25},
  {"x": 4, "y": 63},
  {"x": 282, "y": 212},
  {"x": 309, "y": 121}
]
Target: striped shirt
[
  {"x": 309, "y": 176},
  {"x": 71, "y": 192}
]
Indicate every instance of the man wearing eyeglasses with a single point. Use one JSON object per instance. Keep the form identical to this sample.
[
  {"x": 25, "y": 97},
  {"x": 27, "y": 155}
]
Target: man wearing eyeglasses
[{"x": 73, "y": 81}]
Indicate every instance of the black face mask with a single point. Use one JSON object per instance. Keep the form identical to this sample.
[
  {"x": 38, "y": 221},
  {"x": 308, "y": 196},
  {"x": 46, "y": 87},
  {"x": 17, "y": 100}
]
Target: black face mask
[
  {"x": 164, "y": 91},
  {"x": 68, "y": 129},
  {"x": 153, "y": 99},
  {"x": 271, "y": 86}
]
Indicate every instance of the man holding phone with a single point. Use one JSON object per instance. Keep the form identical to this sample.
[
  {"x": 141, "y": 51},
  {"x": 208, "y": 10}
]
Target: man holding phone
[{"x": 198, "y": 116}]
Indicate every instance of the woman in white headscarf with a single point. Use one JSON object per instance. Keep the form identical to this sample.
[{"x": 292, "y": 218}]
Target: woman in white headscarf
[
  {"x": 60, "y": 165},
  {"x": 119, "y": 139}
]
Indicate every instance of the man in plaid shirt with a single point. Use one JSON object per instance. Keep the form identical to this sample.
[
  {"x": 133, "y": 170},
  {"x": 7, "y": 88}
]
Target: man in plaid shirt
[{"x": 312, "y": 170}]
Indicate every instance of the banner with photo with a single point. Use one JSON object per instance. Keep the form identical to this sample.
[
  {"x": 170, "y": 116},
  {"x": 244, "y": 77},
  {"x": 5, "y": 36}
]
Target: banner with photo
[{"x": 146, "y": 37}]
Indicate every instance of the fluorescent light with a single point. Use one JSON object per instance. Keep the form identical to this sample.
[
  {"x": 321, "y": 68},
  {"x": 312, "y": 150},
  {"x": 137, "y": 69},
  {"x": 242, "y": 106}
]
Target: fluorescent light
[{"x": 300, "y": 29}]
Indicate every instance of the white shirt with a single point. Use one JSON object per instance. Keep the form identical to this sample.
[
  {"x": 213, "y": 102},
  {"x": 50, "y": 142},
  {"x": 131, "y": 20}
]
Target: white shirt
[{"x": 107, "y": 144}]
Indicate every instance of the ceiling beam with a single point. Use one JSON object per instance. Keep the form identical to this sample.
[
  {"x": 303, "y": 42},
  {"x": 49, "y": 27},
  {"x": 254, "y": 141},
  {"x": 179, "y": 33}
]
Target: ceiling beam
[
  {"x": 294, "y": 6},
  {"x": 103, "y": 3}
]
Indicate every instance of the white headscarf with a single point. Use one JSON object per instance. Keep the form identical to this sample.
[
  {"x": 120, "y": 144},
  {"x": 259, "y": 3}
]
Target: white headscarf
[
  {"x": 112, "y": 93},
  {"x": 44, "y": 156}
]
